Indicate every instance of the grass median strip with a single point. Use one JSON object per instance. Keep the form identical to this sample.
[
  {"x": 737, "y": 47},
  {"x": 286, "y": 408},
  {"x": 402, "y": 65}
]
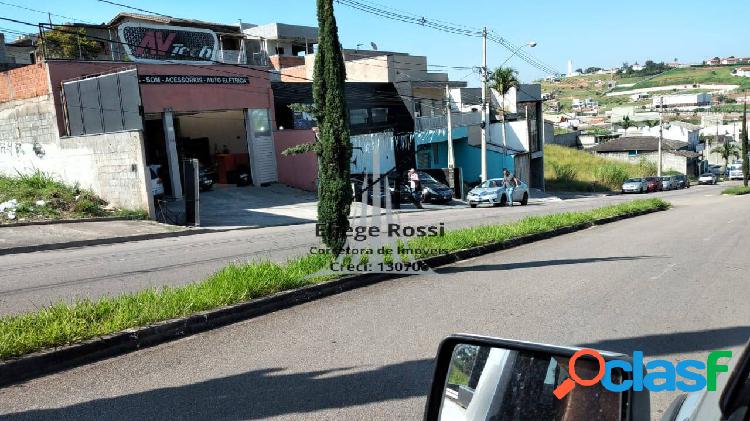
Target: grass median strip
[
  {"x": 63, "y": 324},
  {"x": 736, "y": 190}
]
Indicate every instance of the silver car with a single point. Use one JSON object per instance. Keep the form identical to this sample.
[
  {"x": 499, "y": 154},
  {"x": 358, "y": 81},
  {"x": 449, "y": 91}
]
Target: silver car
[
  {"x": 492, "y": 192},
  {"x": 668, "y": 183},
  {"x": 635, "y": 185}
]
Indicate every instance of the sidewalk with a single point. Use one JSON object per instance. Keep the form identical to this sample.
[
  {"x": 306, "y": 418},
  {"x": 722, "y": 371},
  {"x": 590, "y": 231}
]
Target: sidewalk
[{"x": 26, "y": 238}]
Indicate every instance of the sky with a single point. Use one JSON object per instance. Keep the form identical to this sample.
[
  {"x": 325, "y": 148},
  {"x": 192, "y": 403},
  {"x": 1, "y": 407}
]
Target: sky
[{"x": 590, "y": 33}]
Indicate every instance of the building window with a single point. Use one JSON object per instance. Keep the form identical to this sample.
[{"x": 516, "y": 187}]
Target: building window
[
  {"x": 380, "y": 115},
  {"x": 280, "y": 51},
  {"x": 632, "y": 154},
  {"x": 358, "y": 117}
]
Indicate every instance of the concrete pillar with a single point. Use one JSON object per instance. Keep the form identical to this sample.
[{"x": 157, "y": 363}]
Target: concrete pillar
[{"x": 172, "y": 157}]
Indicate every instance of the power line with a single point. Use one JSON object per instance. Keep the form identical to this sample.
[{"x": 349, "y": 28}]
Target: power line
[
  {"x": 133, "y": 8},
  {"x": 366, "y": 95},
  {"x": 44, "y": 12},
  {"x": 447, "y": 27}
]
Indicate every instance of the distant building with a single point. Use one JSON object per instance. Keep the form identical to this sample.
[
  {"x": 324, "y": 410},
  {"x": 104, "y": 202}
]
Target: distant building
[
  {"x": 636, "y": 67},
  {"x": 675, "y": 155},
  {"x": 682, "y": 101},
  {"x": 713, "y": 61},
  {"x": 742, "y": 71}
]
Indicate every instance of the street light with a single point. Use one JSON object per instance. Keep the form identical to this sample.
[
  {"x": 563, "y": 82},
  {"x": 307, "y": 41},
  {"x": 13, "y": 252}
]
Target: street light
[{"x": 530, "y": 44}]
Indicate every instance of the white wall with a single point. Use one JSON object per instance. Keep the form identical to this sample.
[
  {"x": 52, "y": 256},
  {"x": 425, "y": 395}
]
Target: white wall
[
  {"x": 516, "y": 135},
  {"x": 112, "y": 165}
]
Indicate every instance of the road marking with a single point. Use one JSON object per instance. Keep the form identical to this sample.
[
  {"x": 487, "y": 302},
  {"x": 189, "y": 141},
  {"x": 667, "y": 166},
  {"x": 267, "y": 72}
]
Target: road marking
[
  {"x": 708, "y": 195},
  {"x": 669, "y": 266}
]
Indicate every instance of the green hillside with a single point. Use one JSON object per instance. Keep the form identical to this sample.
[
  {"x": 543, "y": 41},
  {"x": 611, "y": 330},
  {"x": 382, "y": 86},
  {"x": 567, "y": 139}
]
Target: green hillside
[{"x": 595, "y": 86}]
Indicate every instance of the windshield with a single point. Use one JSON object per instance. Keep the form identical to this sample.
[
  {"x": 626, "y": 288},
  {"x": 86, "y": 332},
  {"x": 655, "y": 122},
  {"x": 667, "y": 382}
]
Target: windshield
[
  {"x": 634, "y": 180},
  {"x": 491, "y": 184}
]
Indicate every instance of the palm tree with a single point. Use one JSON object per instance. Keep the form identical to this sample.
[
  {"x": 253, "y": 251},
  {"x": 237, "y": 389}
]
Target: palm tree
[
  {"x": 726, "y": 151},
  {"x": 501, "y": 80}
]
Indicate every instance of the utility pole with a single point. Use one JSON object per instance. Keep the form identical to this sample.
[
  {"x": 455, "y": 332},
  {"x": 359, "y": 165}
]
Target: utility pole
[
  {"x": 485, "y": 110},
  {"x": 448, "y": 117},
  {"x": 661, "y": 134},
  {"x": 745, "y": 158}
]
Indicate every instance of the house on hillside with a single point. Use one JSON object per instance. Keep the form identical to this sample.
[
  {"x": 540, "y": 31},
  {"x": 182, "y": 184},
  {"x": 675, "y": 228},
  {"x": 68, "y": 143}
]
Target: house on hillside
[
  {"x": 742, "y": 71},
  {"x": 676, "y": 155}
]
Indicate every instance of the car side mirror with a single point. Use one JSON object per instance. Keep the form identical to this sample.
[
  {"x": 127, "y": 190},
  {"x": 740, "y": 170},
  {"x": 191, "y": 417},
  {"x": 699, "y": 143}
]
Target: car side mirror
[
  {"x": 735, "y": 398},
  {"x": 482, "y": 378}
]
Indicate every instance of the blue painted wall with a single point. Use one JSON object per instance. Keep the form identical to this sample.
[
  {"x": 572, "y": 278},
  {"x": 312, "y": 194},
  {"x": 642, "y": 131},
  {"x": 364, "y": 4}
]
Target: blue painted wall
[{"x": 469, "y": 158}]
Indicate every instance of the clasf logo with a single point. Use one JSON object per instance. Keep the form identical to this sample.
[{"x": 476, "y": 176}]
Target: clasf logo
[{"x": 660, "y": 375}]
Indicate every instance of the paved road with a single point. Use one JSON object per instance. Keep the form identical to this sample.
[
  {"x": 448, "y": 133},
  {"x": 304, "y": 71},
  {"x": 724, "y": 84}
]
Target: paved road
[
  {"x": 33, "y": 280},
  {"x": 672, "y": 284}
]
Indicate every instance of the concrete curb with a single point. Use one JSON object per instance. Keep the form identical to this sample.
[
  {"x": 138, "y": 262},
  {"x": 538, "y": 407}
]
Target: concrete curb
[
  {"x": 58, "y": 359},
  {"x": 69, "y": 221},
  {"x": 101, "y": 241}
]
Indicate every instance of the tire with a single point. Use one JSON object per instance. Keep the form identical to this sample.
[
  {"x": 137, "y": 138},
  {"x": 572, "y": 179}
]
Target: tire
[
  {"x": 525, "y": 200},
  {"x": 473, "y": 205},
  {"x": 504, "y": 200}
]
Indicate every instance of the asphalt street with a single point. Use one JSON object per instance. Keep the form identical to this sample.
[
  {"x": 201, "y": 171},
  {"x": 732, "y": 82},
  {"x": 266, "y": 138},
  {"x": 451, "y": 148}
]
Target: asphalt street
[
  {"x": 33, "y": 280},
  {"x": 672, "y": 284}
]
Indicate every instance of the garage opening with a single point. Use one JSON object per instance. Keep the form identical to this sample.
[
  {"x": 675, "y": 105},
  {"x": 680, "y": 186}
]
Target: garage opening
[{"x": 217, "y": 139}]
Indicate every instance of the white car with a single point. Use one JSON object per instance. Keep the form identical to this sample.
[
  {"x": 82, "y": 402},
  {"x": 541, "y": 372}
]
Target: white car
[
  {"x": 492, "y": 192},
  {"x": 735, "y": 171},
  {"x": 707, "y": 178}
]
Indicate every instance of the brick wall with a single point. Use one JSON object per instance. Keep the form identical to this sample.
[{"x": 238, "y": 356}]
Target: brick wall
[
  {"x": 24, "y": 82},
  {"x": 294, "y": 74},
  {"x": 286, "y": 61}
]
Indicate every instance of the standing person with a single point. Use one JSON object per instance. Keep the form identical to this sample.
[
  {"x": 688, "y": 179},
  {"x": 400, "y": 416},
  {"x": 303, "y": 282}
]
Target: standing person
[
  {"x": 414, "y": 184},
  {"x": 510, "y": 182}
]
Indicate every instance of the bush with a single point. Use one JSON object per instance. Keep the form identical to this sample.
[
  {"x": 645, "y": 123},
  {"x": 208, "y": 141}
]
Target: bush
[
  {"x": 646, "y": 168},
  {"x": 564, "y": 172},
  {"x": 612, "y": 175}
]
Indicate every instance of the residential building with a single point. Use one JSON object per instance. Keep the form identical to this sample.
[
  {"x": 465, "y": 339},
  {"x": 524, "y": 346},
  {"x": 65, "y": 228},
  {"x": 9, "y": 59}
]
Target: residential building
[
  {"x": 729, "y": 60},
  {"x": 713, "y": 61},
  {"x": 676, "y": 156},
  {"x": 742, "y": 71},
  {"x": 20, "y": 51},
  {"x": 637, "y": 67},
  {"x": 586, "y": 105},
  {"x": 523, "y": 131},
  {"x": 376, "y": 115},
  {"x": 675, "y": 130},
  {"x": 684, "y": 101}
]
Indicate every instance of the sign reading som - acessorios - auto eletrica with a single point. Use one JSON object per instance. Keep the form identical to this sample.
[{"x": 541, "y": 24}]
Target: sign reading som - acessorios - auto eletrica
[{"x": 192, "y": 80}]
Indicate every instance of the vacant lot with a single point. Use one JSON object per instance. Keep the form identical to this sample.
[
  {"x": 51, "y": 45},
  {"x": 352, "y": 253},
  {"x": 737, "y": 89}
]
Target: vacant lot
[{"x": 568, "y": 169}]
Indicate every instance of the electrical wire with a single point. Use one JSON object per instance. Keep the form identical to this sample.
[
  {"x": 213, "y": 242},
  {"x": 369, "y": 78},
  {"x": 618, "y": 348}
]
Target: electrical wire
[{"x": 45, "y": 12}]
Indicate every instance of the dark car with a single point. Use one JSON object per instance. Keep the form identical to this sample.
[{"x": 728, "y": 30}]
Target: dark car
[
  {"x": 206, "y": 176},
  {"x": 682, "y": 181},
  {"x": 653, "y": 184},
  {"x": 434, "y": 191}
]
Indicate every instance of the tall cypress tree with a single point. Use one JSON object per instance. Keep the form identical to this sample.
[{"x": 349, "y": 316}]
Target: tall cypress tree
[
  {"x": 745, "y": 163},
  {"x": 333, "y": 146}
]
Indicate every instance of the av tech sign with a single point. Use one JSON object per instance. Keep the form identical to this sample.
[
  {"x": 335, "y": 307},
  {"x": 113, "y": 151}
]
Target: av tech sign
[{"x": 148, "y": 43}]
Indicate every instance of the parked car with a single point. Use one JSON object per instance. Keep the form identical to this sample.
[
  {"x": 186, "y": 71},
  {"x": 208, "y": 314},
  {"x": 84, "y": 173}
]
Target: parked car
[
  {"x": 681, "y": 181},
  {"x": 653, "y": 184},
  {"x": 707, "y": 178},
  {"x": 667, "y": 183},
  {"x": 157, "y": 185},
  {"x": 493, "y": 193},
  {"x": 434, "y": 191},
  {"x": 634, "y": 185},
  {"x": 206, "y": 178}
]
